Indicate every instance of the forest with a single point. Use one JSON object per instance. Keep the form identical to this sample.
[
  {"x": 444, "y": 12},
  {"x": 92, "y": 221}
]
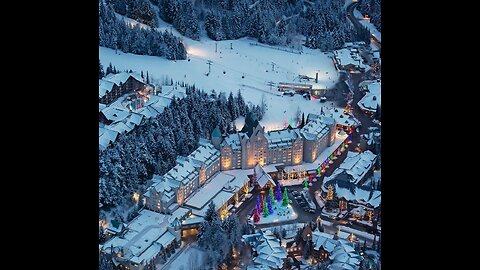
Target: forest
[
  {"x": 275, "y": 22},
  {"x": 116, "y": 34},
  {"x": 153, "y": 146}
]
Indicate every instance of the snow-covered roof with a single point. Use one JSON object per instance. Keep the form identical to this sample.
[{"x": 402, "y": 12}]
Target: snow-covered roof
[
  {"x": 337, "y": 114},
  {"x": 122, "y": 77},
  {"x": 355, "y": 166},
  {"x": 119, "y": 127},
  {"x": 105, "y": 136},
  {"x": 262, "y": 177},
  {"x": 145, "y": 235},
  {"x": 221, "y": 198},
  {"x": 159, "y": 103},
  {"x": 233, "y": 140},
  {"x": 361, "y": 194},
  {"x": 205, "y": 153},
  {"x": 101, "y": 106},
  {"x": 358, "y": 211},
  {"x": 134, "y": 118},
  {"x": 324, "y": 240},
  {"x": 345, "y": 57},
  {"x": 209, "y": 190},
  {"x": 315, "y": 129},
  {"x": 148, "y": 111},
  {"x": 270, "y": 252},
  {"x": 179, "y": 213},
  {"x": 346, "y": 254},
  {"x": 372, "y": 98},
  {"x": 183, "y": 172},
  {"x": 282, "y": 138},
  {"x": 104, "y": 86},
  {"x": 115, "y": 114},
  {"x": 170, "y": 91},
  {"x": 166, "y": 187},
  {"x": 193, "y": 220}
]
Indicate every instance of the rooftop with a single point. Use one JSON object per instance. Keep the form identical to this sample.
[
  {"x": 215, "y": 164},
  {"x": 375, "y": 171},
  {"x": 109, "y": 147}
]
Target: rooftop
[
  {"x": 262, "y": 177},
  {"x": 205, "y": 153},
  {"x": 315, "y": 129},
  {"x": 233, "y": 140},
  {"x": 281, "y": 138},
  {"x": 372, "y": 97},
  {"x": 122, "y": 77},
  {"x": 345, "y": 57},
  {"x": 209, "y": 190},
  {"x": 270, "y": 252},
  {"x": 103, "y": 87},
  {"x": 355, "y": 165},
  {"x": 145, "y": 235}
]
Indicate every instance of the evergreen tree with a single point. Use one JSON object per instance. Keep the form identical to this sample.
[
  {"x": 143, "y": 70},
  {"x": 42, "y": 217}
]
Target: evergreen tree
[
  {"x": 148, "y": 80},
  {"x": 285, "y": 197},
  {"x": 269, "y": 203},
  {"x": 105, "y": 263},
  {"x": 109, "y": 69},
  {"x": 261, "y": 203},
  {"x": 242, "y": 108},
  {"x": 265, "y": 208},
  {"x": 278, "y": 194},
  {"x": 232, "y": 228},
  {"x": 256, "y": 216},
  {"x": 258, "y": 202},
  {"x": 272, "y": 198},
  {"x": 101, "y": 74}
]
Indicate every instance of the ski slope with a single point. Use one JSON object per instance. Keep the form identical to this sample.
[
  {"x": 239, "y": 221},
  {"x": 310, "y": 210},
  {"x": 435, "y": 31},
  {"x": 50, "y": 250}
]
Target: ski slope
[{"x": 230, "y": 61}]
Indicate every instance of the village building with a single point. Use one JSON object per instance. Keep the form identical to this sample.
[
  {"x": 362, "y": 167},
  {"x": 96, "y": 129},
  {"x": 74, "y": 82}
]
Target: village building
[
  {"x": 356, "y": 167},
  {"x": 252, "y": 146},
  {"x": 269, "y": 253},
  {"x": 114, "y": 86},
  {"x": 372, "y": 99},
  {"x": 170, "y": 191},
  {"x": 144, "y": 241},
  {"x": 348, "y": 60}
]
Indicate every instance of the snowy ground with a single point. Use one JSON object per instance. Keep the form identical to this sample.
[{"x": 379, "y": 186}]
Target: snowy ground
[
  {"x": 189, "y": 258},
  {"x": 292, "y": 182},
  {"x": 228, "y": 67},
  {"x": 289, "y": 214},
  {"x": 357, "y": 232},
  {"x": 291, "y": 229}
]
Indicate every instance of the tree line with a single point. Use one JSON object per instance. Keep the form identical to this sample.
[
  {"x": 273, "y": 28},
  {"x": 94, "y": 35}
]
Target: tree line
[
  {"x": 273, "y": 22},
  {"x": 153, "y": 147},
  {"x": 116, "y": 34},
  {"x": 374, "y": 10}
]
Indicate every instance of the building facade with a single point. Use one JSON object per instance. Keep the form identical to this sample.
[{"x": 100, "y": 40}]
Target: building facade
[
  {"x": 170, "y": 191},
  {"x": 114, "y": 86},
  {"x": 243, "y": 150},
  {"x": 289, "y": 146}
]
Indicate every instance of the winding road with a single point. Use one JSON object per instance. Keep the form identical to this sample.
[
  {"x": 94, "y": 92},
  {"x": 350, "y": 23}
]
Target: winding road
[{"x": 350, "y": 8}]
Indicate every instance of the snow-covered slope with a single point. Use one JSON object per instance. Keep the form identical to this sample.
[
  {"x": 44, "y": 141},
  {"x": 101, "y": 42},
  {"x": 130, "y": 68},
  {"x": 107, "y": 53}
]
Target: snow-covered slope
[{"x": 228, "y": 66}]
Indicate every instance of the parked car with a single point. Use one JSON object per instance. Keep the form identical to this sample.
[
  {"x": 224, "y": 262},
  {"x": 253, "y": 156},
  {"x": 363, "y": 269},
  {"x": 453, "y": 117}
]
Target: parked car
[
  {"x": 311, "y": 211},
  {"x": 295, "y": 193}
]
